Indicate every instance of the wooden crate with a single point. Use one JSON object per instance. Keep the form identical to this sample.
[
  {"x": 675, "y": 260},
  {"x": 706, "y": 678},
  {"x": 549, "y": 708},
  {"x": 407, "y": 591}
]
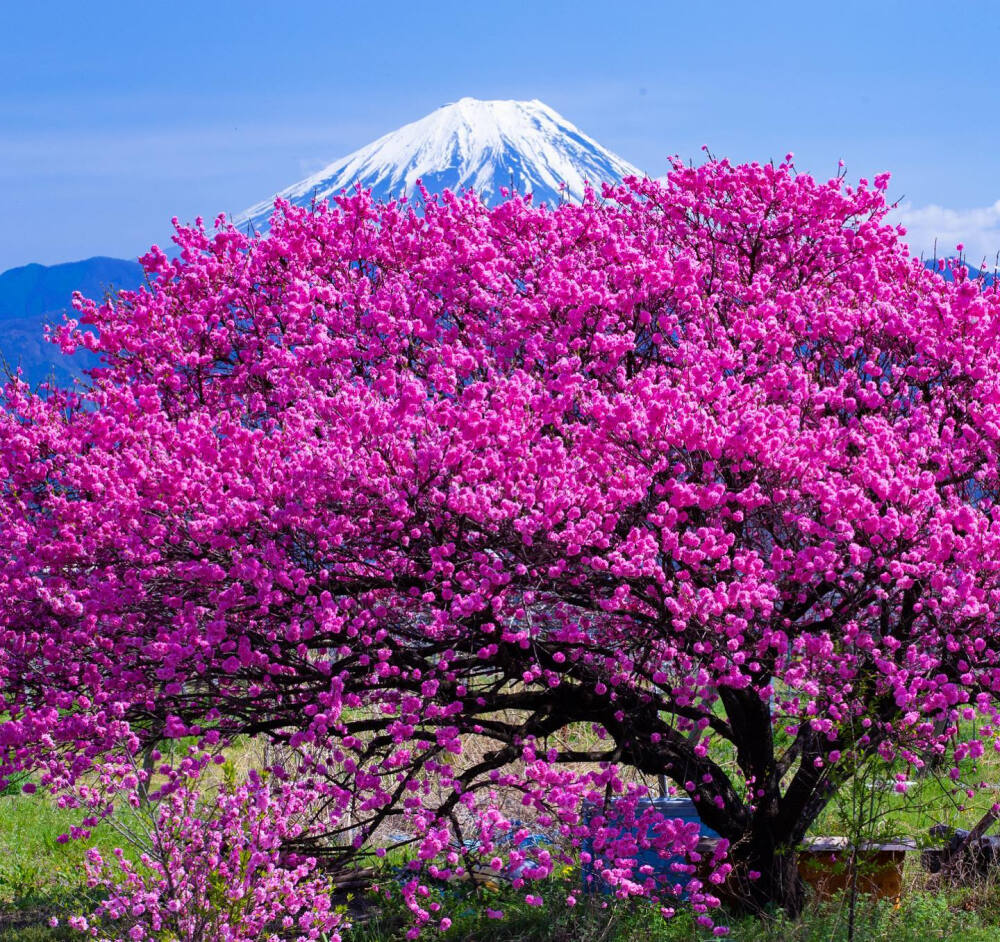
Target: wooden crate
[{"x": 825, "y": 865}]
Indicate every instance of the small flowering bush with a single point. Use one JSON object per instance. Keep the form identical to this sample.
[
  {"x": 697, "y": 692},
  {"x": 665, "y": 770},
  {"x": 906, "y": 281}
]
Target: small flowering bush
[
  {"x": 213, "y": 867},
  {"x": 495, "y": 514}
]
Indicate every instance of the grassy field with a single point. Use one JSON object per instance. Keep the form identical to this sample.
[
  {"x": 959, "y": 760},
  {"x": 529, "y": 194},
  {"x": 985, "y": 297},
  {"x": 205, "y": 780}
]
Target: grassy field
[{"x": 41, "y": 877}]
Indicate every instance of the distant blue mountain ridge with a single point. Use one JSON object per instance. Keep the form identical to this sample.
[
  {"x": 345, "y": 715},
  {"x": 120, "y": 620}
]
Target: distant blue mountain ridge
[
  {"x": 988, "y": 276},
  {"x": 35, "y": 295}
]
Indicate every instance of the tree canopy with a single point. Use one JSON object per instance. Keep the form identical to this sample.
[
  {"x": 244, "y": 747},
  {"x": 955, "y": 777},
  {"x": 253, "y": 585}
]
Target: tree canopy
[{"x": 495, "y": 513}]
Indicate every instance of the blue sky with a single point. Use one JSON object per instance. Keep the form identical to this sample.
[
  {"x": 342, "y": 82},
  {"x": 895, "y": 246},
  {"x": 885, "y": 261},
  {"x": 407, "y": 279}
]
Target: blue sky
[{"x": 116, "y": 116}]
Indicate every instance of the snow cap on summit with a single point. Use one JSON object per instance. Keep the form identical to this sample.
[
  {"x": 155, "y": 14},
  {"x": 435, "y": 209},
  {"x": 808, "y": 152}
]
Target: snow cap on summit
[{"x": 483, "y": 145}]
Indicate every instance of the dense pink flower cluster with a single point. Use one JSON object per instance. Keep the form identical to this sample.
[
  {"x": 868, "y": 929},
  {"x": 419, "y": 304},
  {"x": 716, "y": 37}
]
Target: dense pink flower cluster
[
  {"x": 492, "y": 512},
  {"x": 214, "y": 869}
]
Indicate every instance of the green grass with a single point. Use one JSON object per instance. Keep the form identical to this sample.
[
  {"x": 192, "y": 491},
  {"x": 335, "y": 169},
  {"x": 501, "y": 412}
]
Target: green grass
[
  {"x": 957, "y": 915},
  {"x": 41, "y": 877},
  {"x": 37, "y": 933},
  {"x": 868, "y": 805},
  {"x": 35, "y": 868}
]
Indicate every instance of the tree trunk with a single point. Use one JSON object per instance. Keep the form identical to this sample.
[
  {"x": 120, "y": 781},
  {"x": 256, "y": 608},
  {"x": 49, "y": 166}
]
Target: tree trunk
[{"x": 765, "y": 876}]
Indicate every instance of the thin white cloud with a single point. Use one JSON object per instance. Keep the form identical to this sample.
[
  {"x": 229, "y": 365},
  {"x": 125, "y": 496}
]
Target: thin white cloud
[{"x": 977, "y": 229}]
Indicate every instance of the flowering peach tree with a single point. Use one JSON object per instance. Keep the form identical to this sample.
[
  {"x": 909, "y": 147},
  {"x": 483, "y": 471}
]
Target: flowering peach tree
[
  {"x": 497, "y": 514},
  {"x": 212, "y": 868}
]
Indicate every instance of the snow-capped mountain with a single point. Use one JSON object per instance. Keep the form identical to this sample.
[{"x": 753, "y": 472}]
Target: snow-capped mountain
[{"x": 482, "y": 145}]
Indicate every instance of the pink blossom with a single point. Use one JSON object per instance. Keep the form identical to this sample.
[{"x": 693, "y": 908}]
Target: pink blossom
[{"x": 691, "y": 464}]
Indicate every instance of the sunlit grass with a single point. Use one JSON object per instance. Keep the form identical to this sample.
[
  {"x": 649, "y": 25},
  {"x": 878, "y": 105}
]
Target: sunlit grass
[{"x": 41, "y": 876}]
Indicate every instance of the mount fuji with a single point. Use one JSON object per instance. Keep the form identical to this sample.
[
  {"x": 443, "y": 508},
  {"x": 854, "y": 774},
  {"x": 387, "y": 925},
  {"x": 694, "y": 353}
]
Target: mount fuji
[{"x": 486, "y": 146}]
